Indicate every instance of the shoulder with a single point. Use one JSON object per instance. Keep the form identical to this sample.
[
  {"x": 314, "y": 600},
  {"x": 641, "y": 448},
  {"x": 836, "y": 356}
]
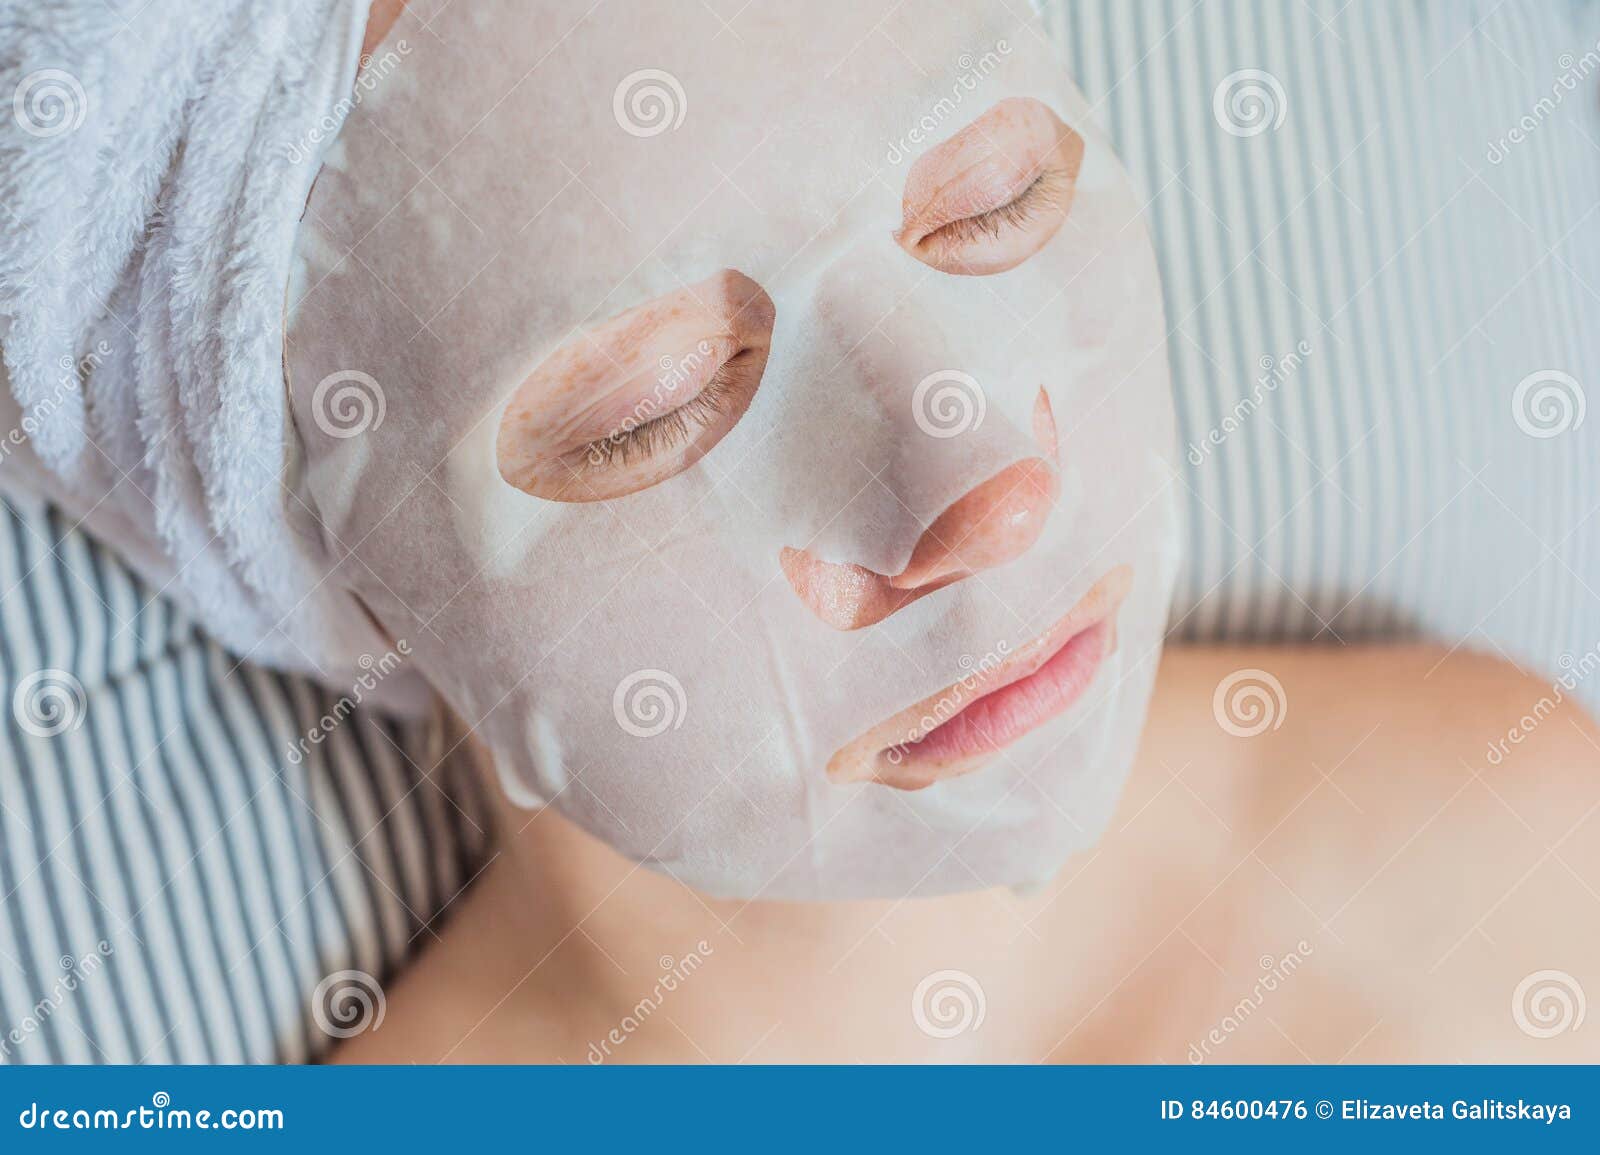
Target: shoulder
[{"x": 1426, "y": 823}]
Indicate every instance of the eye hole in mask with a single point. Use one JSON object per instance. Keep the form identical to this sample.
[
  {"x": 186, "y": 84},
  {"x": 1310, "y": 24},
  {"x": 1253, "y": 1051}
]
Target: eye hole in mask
[
  {"x": 641, "y": 398},
  {"x": 994, "y": 194}
]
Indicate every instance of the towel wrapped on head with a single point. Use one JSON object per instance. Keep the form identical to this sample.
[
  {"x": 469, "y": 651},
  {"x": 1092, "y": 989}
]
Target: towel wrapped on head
[{"x": 153, "y": 173}]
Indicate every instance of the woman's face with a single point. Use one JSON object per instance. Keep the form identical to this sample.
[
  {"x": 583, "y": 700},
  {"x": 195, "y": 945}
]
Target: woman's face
[{"x": 772, "y": 463}]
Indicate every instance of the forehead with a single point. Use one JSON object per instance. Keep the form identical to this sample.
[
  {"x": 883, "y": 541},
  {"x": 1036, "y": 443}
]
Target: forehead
[{"x": 646, "y": 143}]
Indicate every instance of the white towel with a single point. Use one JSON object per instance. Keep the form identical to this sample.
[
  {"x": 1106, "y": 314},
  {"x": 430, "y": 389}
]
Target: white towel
[{"x": 154, "y": 163}]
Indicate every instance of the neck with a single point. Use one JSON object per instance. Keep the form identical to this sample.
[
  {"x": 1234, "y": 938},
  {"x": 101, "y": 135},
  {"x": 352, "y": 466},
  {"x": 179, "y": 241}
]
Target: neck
[{"x": 717, "y": 970}]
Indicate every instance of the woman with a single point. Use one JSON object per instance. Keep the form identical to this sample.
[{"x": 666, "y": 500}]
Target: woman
[
  {"x": 810, "y": 536},
  {"x": 1230, "y": 911}
]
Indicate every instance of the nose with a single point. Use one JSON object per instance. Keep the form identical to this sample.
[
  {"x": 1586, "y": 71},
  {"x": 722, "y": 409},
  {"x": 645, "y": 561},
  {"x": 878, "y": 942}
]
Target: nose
[{"x": 995, "y": 522}]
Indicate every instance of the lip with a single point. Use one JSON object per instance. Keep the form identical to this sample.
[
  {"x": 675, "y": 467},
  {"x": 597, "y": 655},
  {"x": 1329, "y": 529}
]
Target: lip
[{"x": 964, "y": 726}]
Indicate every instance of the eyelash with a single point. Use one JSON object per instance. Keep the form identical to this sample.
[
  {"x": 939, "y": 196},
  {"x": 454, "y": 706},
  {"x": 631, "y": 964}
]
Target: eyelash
[
  {"x": 670, "y": 430},
  {"x": 1040, "y": 196}
]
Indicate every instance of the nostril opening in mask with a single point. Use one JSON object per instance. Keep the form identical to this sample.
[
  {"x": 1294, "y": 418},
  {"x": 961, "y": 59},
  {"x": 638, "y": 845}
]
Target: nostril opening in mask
[
  {"x": 992, "y": 524},
  {"x": 996, "y": 522},
  {"x": 844, "y": 596}
]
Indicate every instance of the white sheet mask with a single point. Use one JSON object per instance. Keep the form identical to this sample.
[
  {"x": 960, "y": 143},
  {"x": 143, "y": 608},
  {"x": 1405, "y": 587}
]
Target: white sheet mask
[{"x": 528, "y": 172}]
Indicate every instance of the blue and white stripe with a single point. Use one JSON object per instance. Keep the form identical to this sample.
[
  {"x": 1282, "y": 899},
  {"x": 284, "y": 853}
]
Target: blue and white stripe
[
  {"x": 166, "y": 828},
  {"x": 1377, "y": 214}
]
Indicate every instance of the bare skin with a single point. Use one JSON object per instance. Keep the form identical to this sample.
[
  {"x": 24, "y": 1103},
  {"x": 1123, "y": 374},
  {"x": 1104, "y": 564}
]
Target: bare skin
[
  {"x": 1414, "y": 881},
  {"x": 379, "y": 20}
]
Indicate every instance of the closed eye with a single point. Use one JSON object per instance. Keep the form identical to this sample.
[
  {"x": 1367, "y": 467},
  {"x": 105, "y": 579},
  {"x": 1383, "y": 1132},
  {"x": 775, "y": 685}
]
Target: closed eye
[
  {"x": 726, "y": 391},
  {"x": 642, "y": 397},
  {"x": 994, "y": 194},
  {"x": 1049, "y": 194}
]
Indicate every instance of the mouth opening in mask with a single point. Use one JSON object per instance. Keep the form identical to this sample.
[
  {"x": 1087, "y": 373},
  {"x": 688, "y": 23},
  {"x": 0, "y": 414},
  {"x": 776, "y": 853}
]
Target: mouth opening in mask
[{"x": 969, "y": 723}]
